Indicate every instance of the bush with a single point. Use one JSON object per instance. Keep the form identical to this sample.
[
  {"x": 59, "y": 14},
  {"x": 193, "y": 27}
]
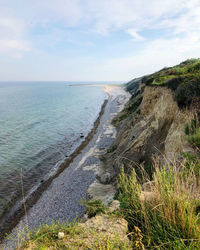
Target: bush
[
  {"x": 188, "y": 90},
  {"x": 195, "y": 67},
  {"x": 173, "y": 83},
  {"x": 148, "y": 81},
  {"x": 94, "y": 207}
]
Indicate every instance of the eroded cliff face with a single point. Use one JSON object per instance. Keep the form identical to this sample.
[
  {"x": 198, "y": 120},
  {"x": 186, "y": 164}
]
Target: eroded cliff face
[{"x": 156, "y": 127}]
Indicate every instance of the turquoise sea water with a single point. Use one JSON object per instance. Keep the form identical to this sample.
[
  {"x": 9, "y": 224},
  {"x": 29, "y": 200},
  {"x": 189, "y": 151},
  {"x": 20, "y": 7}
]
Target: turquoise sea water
[{"x": 41, "y": 123}]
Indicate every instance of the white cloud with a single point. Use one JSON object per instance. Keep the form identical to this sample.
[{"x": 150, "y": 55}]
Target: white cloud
[
  {"x": 155, "y": 55},
  {"x": 11, "y": 44},
  {"x": 135, "y": 35},
  {"x": 106, "y": 16},
  {"x": 48, "y": 23},
  {"x": 11, "y": 37}
]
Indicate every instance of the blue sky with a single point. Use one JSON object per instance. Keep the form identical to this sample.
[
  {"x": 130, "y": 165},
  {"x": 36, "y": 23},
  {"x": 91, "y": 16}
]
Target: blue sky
[{"x": 86, "y": 40}]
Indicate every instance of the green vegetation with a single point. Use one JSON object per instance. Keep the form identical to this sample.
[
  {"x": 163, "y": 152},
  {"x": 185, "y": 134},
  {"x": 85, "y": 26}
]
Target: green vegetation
[
  {"x": 131, "y": 107},
  {"x": 184, "y": 79},
  {"x": 191, "y": 165},
  {"x": 46, "y": 236},
  {"x": 163, "y": 213},
  {"x": 167, "y": 216},
  {"x": 94, "y": 207},
  {"x": 185, "y": 69},
  {"x": 192, "y": 161},
  {"x": 192, "y": 130},
  {"x": 195, "y": 138},
  {"x": 74, "y": 236},
  {"x": 188, "y": 90}
]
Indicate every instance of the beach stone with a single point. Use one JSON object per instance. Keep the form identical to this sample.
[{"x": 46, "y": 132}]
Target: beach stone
[
  {"x": 105, "y": 178},
  {"x": 61, "y": 235},
  {"x": 147, "y": 196},
  {"x": 115, "y": 205},
  {"x": 102, "y": 192},
  {"x": 148, "y": 186}
]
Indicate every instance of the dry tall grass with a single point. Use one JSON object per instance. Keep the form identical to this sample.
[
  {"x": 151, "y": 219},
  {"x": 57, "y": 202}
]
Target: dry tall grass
[{"x": 168, "y": 214}]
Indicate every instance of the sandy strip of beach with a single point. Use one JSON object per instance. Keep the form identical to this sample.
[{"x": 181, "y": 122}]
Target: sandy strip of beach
[{"x": 61, "y": 200}]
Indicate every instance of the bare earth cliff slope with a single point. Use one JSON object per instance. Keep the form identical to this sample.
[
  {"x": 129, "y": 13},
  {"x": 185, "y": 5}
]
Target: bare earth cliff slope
[{"x": 152, "y": 124}]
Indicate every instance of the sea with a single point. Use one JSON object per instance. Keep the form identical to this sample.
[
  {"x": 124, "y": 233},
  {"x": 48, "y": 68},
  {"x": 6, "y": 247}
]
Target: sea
[{"x": 41, "y": 124}]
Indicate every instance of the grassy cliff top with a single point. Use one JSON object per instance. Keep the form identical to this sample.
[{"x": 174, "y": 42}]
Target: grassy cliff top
[
  {"x": 183, "y": 79},
  {"x": 189, "y": 68}
]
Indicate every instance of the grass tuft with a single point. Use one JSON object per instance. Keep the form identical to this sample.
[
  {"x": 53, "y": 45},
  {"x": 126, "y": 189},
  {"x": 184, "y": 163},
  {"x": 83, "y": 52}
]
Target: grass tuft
[
  {"x": 192, "y": 130},
  {"x": 166, "y": 216},
  {"x": 94, "y": 207}
]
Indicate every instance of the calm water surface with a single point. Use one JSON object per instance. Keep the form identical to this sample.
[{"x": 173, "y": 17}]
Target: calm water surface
[{"x": 40, "y": 125}]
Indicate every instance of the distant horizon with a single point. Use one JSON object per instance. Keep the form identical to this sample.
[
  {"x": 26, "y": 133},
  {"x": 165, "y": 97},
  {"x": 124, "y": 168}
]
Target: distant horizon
[{"x": 1, "y": 81}]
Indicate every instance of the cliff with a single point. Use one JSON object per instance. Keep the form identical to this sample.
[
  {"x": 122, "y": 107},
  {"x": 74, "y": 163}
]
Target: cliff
[
  {"x": 153, "y": 121},
  {"x": 154, "y": 164}
]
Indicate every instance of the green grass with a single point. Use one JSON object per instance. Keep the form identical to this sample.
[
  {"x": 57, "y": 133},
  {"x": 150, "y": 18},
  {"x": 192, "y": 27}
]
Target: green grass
[
  {"x": 192, "y": 131},
  {"x": 46, "y": 236},
  {"x": 183, "y": 79},
  {"x": 160, "y": 80},
  {"x": 195, "y": 138},
  {"x": 185, "y": 69},
  {"x": 169, "y": 219},
  {"x": 75, "y": 237},
  {"x": 94, "y": 207},
  {"x": 191, "y": 164}
]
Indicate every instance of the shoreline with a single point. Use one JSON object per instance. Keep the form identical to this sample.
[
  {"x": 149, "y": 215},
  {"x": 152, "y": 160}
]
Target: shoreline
[
  {"x": 14, "y": 215},
  {"x": 13, "y": 221}
]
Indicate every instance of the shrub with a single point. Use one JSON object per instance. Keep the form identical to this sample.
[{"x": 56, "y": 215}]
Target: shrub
[
  {"x": 189, "y": 68},
  {"x": 189, "y": 62},
  {"x": 195, "y": 67},
  {"x": 173, "y": 83},
  {"x": 148, "y": 81},
  {"x": 180, "y": 70},
  {"x": 94, "y": 207},
  {"x": 188, "y": 90}
]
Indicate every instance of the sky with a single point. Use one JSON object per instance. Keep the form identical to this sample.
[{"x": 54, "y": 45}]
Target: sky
[{"x": 95, "y": 40}]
